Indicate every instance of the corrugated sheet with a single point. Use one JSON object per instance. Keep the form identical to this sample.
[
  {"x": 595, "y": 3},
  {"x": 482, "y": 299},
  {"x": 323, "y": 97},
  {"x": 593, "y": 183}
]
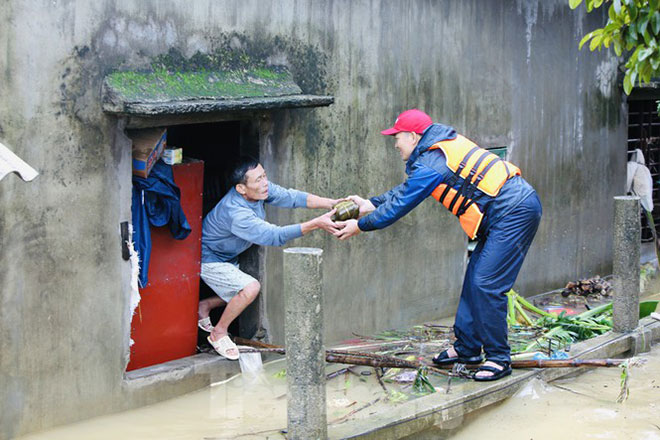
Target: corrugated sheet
[{"x": 10, "y": 163}]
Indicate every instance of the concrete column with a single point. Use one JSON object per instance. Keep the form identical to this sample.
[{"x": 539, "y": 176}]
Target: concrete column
[
  {"x": 627, "y": 237},
  {"x": 305, "y": 353}
]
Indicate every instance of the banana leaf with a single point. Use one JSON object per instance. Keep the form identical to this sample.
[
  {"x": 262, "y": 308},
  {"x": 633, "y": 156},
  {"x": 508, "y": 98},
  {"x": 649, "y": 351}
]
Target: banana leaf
[{"x": 646, "y": 308}]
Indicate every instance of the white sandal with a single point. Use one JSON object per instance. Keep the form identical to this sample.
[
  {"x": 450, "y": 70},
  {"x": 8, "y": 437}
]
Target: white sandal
[
  {"x": 205, "y": 324},
  {"x": 223, "y": 345}
]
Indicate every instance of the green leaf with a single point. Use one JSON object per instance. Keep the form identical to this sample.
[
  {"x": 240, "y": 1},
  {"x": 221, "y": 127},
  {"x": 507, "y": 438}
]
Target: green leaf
[
  {"x": 627, "y": 86},
  {"x": 655, "y": 22},
  {"x": 645, "y": 72},
  {"x": 617, "y": 48},
  {"x": 641, "y": 26},
  {"x": 655, "y": 63},
  {"x": 585, "y": 39},
  {"x": 597, "y": 3},
  {"x": 574, "y": 3},
  {"x": 633, "y": 30},
  {"x": 653, "y": 5},
  {"x": 647, "y": 38},
  {"x": 646, "y": 308},
  {"x": 644, "y": 54},
  {"x": 595, "y": 42},
  {"x": 632, "y": 7}
]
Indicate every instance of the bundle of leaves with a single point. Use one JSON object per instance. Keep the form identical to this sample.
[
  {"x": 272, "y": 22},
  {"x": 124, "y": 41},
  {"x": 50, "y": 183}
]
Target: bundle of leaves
[
  {"x": 566, "y": 329},
  {"x": 550, "y": 329}
]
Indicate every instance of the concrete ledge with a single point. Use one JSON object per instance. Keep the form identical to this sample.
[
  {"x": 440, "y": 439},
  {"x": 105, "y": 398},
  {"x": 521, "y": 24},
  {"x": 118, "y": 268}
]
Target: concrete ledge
[
  {"x": 446, "y": 410},
  {"x": 175, "y": 378}
]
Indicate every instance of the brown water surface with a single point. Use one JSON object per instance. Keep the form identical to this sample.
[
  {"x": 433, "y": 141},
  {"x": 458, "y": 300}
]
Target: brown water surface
[
  {"x": 251, "y": 407},
  {"x": 582, "y": 407}
]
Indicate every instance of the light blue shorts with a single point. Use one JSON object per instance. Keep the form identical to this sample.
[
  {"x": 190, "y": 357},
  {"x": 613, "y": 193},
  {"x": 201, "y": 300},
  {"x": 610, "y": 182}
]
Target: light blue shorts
[{"x": 225, "y": 279}]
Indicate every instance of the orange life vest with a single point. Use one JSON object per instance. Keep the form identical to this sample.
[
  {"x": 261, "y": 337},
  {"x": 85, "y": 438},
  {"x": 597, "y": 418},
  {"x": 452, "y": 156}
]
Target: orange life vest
[{"x": 474, "y": 168}]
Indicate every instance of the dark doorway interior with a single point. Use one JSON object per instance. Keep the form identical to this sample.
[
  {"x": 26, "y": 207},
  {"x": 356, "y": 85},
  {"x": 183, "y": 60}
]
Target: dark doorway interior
[
  {"x": 644, "y": 133},
  {"x": 219, "y": 144}
]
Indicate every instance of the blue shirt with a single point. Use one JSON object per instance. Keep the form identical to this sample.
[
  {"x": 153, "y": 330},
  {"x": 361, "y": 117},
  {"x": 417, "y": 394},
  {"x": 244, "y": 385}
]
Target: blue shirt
[{"x": 235, "y": 224}]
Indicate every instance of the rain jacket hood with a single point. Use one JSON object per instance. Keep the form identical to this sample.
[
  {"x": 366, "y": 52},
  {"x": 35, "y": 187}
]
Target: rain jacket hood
[{"x": 433, "y": 134}]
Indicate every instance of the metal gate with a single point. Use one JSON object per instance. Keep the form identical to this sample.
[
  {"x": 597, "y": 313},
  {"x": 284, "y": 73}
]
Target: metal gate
[{"x": 644, "y": 133}]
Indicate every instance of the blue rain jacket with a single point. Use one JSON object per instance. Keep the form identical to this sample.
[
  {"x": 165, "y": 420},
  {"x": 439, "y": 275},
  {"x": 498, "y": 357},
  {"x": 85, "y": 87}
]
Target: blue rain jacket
[
  {"x": 156, "y": 202},
  {"x": 426, "y": 169}
]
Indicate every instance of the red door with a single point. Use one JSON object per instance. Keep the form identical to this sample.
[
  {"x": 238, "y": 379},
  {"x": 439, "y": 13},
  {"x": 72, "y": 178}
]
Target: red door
[{"x": 164, "y": 325}]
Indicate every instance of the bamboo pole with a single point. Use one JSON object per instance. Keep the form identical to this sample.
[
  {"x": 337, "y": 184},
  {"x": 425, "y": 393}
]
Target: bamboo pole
[
  {"x": 343, "y": 357},
  {"x": 559, "y": 363},
  {"x": 379, "y": 360},
  {"x": 563, "y": 363}
]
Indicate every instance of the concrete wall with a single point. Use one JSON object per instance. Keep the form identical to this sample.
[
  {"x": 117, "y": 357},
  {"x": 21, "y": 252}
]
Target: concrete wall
[{"x": 501, "y": 72}]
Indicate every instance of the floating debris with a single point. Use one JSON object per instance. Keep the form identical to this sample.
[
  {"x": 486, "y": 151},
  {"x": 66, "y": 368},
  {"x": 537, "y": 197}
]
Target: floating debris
[{"x": 595, "y": 286}]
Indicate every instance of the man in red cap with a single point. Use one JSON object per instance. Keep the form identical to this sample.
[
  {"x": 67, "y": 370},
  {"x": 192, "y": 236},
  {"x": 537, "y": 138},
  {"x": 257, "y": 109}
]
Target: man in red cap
[{"x": 494, "y": 205}]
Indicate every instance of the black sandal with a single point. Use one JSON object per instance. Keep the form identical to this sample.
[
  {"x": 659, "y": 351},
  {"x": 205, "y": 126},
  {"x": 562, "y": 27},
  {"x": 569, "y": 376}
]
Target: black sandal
[
  {"x": 497, "y": 374},
  {"x": 444, "y": 359}
]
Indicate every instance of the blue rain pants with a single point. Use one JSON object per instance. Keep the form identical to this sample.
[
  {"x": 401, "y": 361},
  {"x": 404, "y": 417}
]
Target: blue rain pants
[{"x": 491, "y": 272}]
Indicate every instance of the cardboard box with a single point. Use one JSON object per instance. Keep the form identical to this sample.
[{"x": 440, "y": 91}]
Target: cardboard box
[{"x": 148, "y": 146}]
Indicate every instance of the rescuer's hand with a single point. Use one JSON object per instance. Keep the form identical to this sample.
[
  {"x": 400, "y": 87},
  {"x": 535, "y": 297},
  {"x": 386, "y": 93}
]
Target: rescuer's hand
[
  {"x": 347, "y": 229},
  {"x": 364, "y": 204}
]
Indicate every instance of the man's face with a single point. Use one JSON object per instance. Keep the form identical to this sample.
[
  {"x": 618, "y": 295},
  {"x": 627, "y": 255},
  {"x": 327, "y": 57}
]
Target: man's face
[
  {"x": 405, "y": 142},
  {"x": 255, "y": 186}
]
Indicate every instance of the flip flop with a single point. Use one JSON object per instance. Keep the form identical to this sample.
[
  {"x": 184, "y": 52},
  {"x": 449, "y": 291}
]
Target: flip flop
[
  {"x": 205, "y": 324},
  {"x": 223, "y": 345},
  {"x": 497, "y": 374}
]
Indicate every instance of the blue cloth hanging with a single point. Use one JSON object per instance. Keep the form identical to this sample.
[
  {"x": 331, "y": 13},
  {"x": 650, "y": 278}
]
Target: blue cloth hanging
[{"x": 156, "y": 202}]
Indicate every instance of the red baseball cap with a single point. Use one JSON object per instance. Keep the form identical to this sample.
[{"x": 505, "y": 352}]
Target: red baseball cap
[{"x": 411, "y": 120}]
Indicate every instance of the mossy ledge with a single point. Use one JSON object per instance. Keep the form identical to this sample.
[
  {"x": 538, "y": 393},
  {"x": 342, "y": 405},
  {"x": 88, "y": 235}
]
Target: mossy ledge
[{"x": 167, "y": 86}]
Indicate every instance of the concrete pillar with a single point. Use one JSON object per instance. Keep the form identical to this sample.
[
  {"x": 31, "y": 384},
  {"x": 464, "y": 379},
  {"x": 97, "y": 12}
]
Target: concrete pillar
[
  {"x": 627, "y": 237},
  {"x": 305, "y": 353}
]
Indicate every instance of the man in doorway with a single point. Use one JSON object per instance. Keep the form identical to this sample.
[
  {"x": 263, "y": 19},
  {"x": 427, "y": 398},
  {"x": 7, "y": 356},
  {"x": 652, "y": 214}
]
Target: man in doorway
[
  {"x": 236, "y": 223},
  {"x": 494, "y": 205}
]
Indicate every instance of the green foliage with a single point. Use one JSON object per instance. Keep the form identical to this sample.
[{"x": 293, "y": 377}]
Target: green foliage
[
  {"x": 633, "y": 27},
  {"x": 422, "y": 384},
  {"x": 624, "y": 391},
  {"x": 646, "y": 308}
]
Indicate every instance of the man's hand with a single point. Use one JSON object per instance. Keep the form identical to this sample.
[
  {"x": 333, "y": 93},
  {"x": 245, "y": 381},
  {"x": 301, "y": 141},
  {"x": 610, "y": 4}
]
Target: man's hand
[
  {"x": 365, "y": 205},
  {"x": 320, "y": 222},
  {"x": 324, "y": 222},
  {"x": 347, "y": 229},
  {"x": 314, "y": 201}
]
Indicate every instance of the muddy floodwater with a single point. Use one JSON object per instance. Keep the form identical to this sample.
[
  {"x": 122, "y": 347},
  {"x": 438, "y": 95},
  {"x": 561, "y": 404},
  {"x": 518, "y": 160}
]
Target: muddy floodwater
[
  {"x": 582, "y": 407},
  {"x": 245, "y": 407},
  {"x": 251, "y": 407}
]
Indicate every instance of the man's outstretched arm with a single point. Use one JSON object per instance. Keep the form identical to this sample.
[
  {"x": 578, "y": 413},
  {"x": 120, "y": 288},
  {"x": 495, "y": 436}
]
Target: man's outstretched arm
[
  {"x": 314, "y": 201},
  {"x": 292, "y": 198}
]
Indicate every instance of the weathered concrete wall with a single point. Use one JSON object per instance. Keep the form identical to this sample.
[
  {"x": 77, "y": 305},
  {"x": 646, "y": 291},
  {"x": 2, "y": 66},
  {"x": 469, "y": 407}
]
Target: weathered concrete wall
[{"x": 503, "y": 73}]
